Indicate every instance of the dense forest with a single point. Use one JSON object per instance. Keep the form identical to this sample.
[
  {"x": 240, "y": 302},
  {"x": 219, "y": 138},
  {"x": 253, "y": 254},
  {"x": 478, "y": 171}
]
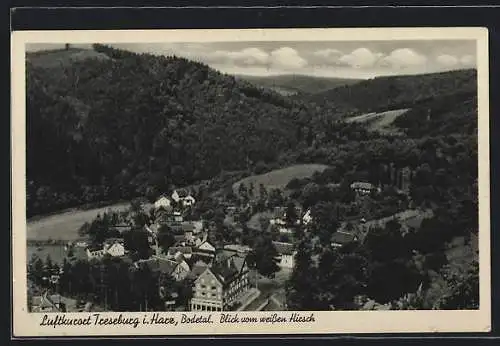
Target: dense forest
[
  {"x": 119, "y": 125},
  {"x": 395, "y": 92},
  {"x": 133, "y": 125}
]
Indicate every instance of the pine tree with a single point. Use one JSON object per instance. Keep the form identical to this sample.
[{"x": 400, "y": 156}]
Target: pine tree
[{"x": 300, "y": 286}]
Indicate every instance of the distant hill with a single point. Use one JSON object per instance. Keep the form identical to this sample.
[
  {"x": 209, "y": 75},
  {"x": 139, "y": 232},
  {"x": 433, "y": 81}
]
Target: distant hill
[
  {"x": 279, "y": 178},
  {"x": 294, "y": 84},
  {"x": 395, "y": 92},
  {"x": 62, "y": 57}
]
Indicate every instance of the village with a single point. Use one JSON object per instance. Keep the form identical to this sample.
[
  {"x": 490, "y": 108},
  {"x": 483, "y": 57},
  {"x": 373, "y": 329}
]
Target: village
[{"x": 221, "y": 275}]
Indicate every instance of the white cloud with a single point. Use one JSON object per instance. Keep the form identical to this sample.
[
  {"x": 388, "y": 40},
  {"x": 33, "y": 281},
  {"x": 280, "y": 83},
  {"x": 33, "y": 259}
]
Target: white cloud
[
  {"x": 447, "y": 60},
  {"x": 245, "y": 57},
  {"x": 361, "y": 57},
  {"x": 329, "y": 54},
  {"x": 403, "y": 58},
  {"x": 287, "y": 58},
  {"x": 468, "y": 60}
]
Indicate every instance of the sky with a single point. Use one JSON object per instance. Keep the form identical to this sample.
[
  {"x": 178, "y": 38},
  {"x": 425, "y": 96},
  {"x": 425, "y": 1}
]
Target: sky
[{"x": 342, "y": 59}]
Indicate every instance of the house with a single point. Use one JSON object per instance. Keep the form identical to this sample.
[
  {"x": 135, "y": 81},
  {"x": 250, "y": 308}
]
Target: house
[
  {"x": 115, "y": 247},
  {"x": 188, "y": 230},
  {"x": 178, "y": 270},
  {"x": 186, "y": 251},
  {"x": 188, "y": 201},
  {"x": 162, "y": 202},
  {"x": 341, "y": 238},
  {"x": 178, "y": 216},
  {"x": 286, "y": 254},
  {"x": 205, "y": 248},
  {"x": 95, "y": 252},
  {"x": 277, "y": 221},
  {"x": 307, "y": 218},
  {"x": 175, "y": 196},
  {"x": 197, "y": 269},
  {"x": 219, "y": 286},
  {"x": 362, "y": 188},
  {"x": 47, "y": 303}
]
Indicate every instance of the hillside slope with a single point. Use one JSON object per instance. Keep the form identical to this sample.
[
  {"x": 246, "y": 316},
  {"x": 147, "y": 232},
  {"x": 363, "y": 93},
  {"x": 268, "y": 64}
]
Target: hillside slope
[
  {"x": 106, "y": 128},
  {"x": 395, "y": 92}
]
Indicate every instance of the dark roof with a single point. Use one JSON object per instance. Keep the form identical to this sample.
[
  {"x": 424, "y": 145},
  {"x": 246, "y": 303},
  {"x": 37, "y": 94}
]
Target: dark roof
[
  {"x": 114, "y": 241},
  {"x": 182, "y": 193},
  {"x": 166, "y": 266},
  {"x": 197, "y": 269},
  {"x": 227, "y": 265},
  {"x": 283, "y": 248},
  {"x": 225, "y": 271},
  {"x": 343, "y": 238},
  {"x": 158, "y": 265},
  {"x": 95, "y": 248}
]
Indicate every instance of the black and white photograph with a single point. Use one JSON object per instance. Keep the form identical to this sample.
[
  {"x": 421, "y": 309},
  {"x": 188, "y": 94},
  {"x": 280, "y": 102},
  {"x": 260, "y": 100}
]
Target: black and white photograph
[{"x": 214, "y": 180}]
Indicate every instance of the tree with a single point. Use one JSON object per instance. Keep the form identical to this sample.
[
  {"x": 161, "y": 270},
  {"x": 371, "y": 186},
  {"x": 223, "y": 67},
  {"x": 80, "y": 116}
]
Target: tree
[
  {"x": 165, "y": 238},
  {"x": 137, "y": 243},
  {"x": 291, "y": 215},
  {"x": 464, "y": 290},
  {"x": 264, "y": 257},
  {"x": 342, "y": 275},
  {"x": 324, "y": 222},
  {"x": 262, "y": 192},
  {"x": 275, "y": 198},
  {"x": 300, "y": 287}
]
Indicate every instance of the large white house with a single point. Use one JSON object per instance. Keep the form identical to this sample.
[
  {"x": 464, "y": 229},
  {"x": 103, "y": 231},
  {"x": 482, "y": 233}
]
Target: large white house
[{"x": 162, "y": 202}]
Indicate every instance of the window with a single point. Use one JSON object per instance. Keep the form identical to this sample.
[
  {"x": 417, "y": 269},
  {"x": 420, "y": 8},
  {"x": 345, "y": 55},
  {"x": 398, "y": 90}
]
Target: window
[{"x": 214, "y": 288}]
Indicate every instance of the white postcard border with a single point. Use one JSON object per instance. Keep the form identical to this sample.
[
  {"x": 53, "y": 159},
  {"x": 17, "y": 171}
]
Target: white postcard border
[{"x": 28, "y": 324}]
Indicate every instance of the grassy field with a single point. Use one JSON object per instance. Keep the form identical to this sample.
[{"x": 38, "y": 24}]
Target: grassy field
[
  {"x": 65, "y": 225},
  {"x": 56, "y": 252},
  {"x": 279, "y": 178},
  {"x": 378, "y": 121}
]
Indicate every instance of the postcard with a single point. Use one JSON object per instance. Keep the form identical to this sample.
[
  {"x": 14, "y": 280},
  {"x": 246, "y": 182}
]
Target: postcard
[{"x": 271, "y": 181}]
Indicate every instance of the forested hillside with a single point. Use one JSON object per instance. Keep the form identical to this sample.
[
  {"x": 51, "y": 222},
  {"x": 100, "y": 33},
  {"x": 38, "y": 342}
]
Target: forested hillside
[
  {"x": 133, "y": 124},
  {"x": 396, "y": 92}
]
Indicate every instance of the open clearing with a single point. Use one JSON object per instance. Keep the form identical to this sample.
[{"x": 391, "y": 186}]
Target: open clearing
[
  {"x": 378, "y": 121},
  {"x": 56, "y": 252},
  {"x": 279, "y": 178},
  {"x": 64, "y": 226}
]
